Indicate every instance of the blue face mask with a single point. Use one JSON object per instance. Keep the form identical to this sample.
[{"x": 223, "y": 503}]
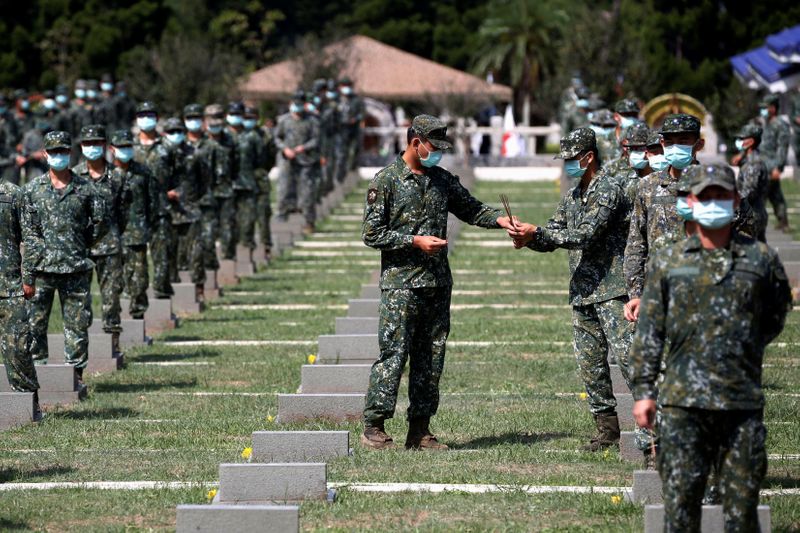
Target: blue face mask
[
  {"x": 214, "y": 130},
  {"x": 3, "y": 109},
  {"x": 573, "y": 168},
  {"x": 764, "y": 112},
  {"x": 432, "y": 160},
  {"x": 637, "y": 159},
  {"x": 347, "y": 91},
  {"x": 49, "y": 104},
  {"x": 176, "y": 137},
  {"x": 683, "y": 208},
  {"x": 310, "y": 108},
  {"x": 234, "y": 120},
  {"x": 679, "y": 155},
  {"x": 627, "y": 122},
  {"x": 713, "y": 214},
  {"x": 317, "y": 100},
  {"x": 146, "y": 123},
  {"x": 249, "y": 123},
  {"x": 107, "y": 87},
  {"x": 739, "y": 143},
  {"x": 331, "y": 95},
  {"x": 123, "y": 153},
  {"x": 295, "y": 108},
  {"x": 657, "y": 162},
  {"x": 92, "y": 152},
  {"x": 193, "y": 124},
  {"x": 25, "y": 105},
  {"x": 80, "y": 94},
  {"x": 58, "y": 161},
  {"x": 583, "y": 103},
  {"x": 91, "y": 94},
  {"x": 62, "y": 99}
]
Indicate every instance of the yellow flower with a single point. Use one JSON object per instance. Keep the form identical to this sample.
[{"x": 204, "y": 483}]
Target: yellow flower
[
  {"x": 246, "y": 453},
  {"x": 607, "y": 453},
  {"x": 270, "y": 419},
  {"x": 211, "y": 494},
  {"x": 583, "y": 395},
  {"x": 312, "y": 359},
  {"x": 616, "y": 499}
]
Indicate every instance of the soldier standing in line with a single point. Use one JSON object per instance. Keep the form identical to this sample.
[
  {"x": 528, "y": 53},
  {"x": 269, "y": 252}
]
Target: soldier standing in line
[
  {"x": 603, "y": 124},
  {"x": 125, "y": 107},
  {"x": 591, "y": 223},
  {"x": 106, "y": 254},
  {"x": 62, "y": 120},
  {"x": 626, "y": 114},
  {"x": 16, "y": 286},
  {"x": 106, "y": 108},
  {"x": 794, "y": 119},
  {"x": 79, "y": 116},
  {"x": 262, "y": 139},
  {"x": 575, "y": 115},
  {"x": 63, "y": 217},
  {"x": 329, "y": 120},
  {"x": 297, "y": 138},
  {"x": 8, "y": 142},
  {"x": 245, "y": 187},
  {"x": 350, "y": 114},
  {"x": 225, "y": 168},
  {"x": 725, "y": 296},
  {"x": 774, "y": 148},
  {"x": 141, "y": 209},
  {"x": 312, "y": 113},
  {"x": 405, "y": 217},
  {"x": 205, "y": 154},
  {"x": 752, "y": 183}
]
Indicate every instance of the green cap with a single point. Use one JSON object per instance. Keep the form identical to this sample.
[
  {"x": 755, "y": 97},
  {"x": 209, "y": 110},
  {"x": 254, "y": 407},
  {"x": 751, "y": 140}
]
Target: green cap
[
  {"x": 93, "y": 132},
  {"x": 122, "y": 138},
  {"x": 433, "y": 129},
  {"x": 637, "y": 135},
  {"x": 577, "y": 141},
  {"x": 214, "y": 111},
  {"x": 749, "y": 131},
  {"x": 146, "y": 107},
  {"x": 717, "y": 174},
  {"x": 626, "y": 105},
  {"x": 235, "y": 108},
  {"x": 57, "y": 139},
  {"x": 654, "y": 138},
  {"x": 193, "y": 110},
  {"x": 688, "y": 176},
  {"x": 770, "y": 99},
  {"x": 602, "y": 117},
  {"x": 680, "y": 123},
  {"x": 174, "y": 124}
]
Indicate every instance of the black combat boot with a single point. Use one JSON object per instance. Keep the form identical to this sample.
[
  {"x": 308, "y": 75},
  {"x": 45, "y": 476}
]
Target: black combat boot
[
  {"x": 116, "y": 350},
  {"x": 83, "y": 390},
  {"x": 38, "y": 415},
  {"x": 607, "y": 433},
  {"x": 375, "y": 436}
]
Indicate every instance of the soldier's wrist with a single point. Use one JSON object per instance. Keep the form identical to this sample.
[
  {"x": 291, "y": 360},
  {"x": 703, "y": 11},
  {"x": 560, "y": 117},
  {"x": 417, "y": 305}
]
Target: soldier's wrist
[{"x": 644, "y": 392}]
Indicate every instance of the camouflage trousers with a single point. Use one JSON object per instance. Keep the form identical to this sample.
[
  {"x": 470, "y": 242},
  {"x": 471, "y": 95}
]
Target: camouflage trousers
[
  {"x": 601, "y": 333},
  {"x": 246, "y": 215},
  {"x": 328, "y": 172},
  {"x": 692, "y": 442},
  {"x": 110, "y": 280},
  {"x": 136, "y": 278},
  {"x": 74, "y": 291},
  {"x": 288, "y": 178},
  {"x": 159, "y": 253},
  {"x": 346, "y": 152},
  {"x": 226, "y": 226},
  {"x": 298, "y": 180},
  {"x": 15, "y": 345},
  {"x": 775, "y": 196},
  {"x": 189, "y": 244},
  {"x": 413, "y": 325},
  {"x": 209, "y": 225},
  {"x": 264, "y": 215}
]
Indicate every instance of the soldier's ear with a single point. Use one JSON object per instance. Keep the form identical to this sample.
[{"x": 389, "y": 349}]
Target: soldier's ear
[{"x": 700, "y": 144}]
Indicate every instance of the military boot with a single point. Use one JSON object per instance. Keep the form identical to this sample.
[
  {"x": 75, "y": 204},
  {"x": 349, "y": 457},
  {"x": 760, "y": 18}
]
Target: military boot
[
  {"x": 649, "y": 460},
  {"x": 607, "y": 433},
  {"x": 83, "y": 390},
  {"x": 420, "y": 437},
  {"x": 38, "y": 415},
  {"x": 267, "y": 254},
  {"x": 375, "y": 437},
  {"x": 116, "y": 350},
  {"x": 199, "y": 293},
  {"x": 308, "y": 229}
]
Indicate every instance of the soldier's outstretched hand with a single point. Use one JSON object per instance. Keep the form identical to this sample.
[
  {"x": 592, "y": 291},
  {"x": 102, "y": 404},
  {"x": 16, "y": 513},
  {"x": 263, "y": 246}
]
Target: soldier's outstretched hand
[{"x": 521, "y": 233}]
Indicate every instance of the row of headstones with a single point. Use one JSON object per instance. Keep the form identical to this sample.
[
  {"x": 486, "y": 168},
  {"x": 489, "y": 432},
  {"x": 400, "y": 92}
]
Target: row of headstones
[{"x": 285, "y": 467}]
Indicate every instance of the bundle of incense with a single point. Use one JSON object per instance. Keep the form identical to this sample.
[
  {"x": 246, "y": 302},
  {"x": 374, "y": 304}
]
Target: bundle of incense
[{"x": 507, "y": 207}]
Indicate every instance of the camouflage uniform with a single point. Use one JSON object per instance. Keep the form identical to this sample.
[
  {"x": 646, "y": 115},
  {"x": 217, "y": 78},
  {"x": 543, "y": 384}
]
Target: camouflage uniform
[
  {"x": 774, "y": 147},
  {"x": 591, "y": 225},
  {"x": 328, "y": 125},
  {"x": 604, "y": 127},
  {"x": 14, "y": 339},
  {"x": 205, "y": 156},
  {"x": 752, "y": 184},
  {"x": 245, "y": 187},
  {"x": 293, "y": 131},
  {"x": 794, "y": 116},
  {"x": 350, "y": 113},
  {"x": 8, "y": 142},
  {"x": 224, "y": 158},
  {"x": 575, "y": 116},
  {"x": 414, "y": 319},
  {"x": 265, "y": 153},
  {"x": 59, "y": 228},
  {"x": 141, "y": 207},
  {"x": 714, "y": 311}
]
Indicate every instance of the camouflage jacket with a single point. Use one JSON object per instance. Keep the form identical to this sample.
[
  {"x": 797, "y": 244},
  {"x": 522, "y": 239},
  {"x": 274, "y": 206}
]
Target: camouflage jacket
[
  {"x": 109, "y": 187},
  {"x": 328, "y": 124},
  {"x": 292, "y": 132},
  {"x": 628, "y": 178},
  {"x": 350, "y": 111},
  {"x": 716, "y": 310},
  {"x": 400, "y": 205},
  {"x": 186, "y": 179},
  {"x": 266, "y": 159},
  {"x": 654, "y": 223},
  {"x": 752, "y": 183},
  {"x": 775, "y": 143},
  {"x": 609, "y": 147},
  {"x": 247, "y": 154},
  {"x": 223, "y": 161},
  {"x": 8, "y": 146},
  {"x": 157, "y": 159},
  {"x": 591, "y": 226},
  {"x": 10, "y": 240},
  {"x": 205, "y": 156},
  {"x": 60, "y": 228},
  {"x": 140, "y": 203}
]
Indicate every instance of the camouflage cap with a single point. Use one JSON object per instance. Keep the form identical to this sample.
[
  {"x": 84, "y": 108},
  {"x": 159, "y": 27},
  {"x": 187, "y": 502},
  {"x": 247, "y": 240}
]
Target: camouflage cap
[
  {"x": 750, "y": 131},
  {"x": 93, "y": 132},
  {"x": 684, "y": 185},
  {"x": 235, "y": 108},
  {"x": 174, "y": 124},
  {"x": 107, "y": 77},
  {"x": 345, "y": 81},
  {"x": 770, "y": 99},
  {"x": 214, "y": 111},
  {"x": 637, "y": 135},
  {"x": 48, "y": 94},
  {"x": 193, "y": 110},
  {"x": 718, "y": 174},
  {"x": 299, "y": 96},
  {"x": 20, "y": 94},
  {"x": 80, "y": 84},
  {"x": 250, "y": 111},
  {"x": 575, "y": 142},
  {"x": 318, "y": 85},
  {"x": 680, "y": 123},
  {"x": 626, "y": 105},
  {"x": 92, "y": 84},
  {"x": 57, "y": 140},
  {"x": 122, "y": 138},
  {"x": 654, "y": 138},
  {"x": 602, "y": 117},
  {"x": 146, "y": 107},
  {"x": 331, "y": 84},
  {"x": 433, "y": 129},
  {"x": 62, "y": 89}
]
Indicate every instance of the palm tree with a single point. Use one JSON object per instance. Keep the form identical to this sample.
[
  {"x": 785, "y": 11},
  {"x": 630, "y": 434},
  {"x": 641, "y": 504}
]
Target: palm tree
[{"x": 520, "y": 36}]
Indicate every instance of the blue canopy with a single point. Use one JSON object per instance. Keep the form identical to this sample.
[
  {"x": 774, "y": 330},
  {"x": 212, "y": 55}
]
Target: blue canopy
[{"x": 785, "y": 44}]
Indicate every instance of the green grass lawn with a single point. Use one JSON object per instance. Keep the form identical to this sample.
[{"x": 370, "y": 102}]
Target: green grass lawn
[{"x": 510, "y": 412}]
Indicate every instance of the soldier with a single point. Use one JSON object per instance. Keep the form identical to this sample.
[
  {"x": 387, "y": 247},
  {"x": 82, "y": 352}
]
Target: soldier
[
  {"x": 63, "y": 217},
  {"x": 725, "y": 296},
  {"x": 141, "y": 209},
  {"x": 13, "y": 293},
  {"x": 150, "y": 151},
  {"x": 24, "y": 114},
  {"x": 626, "y": 114},
  {"x": 93, "y": 100},
  {"x": 774, "y": 147},
  {"x": 8, "y": 142},
  {"x": 124, "y": 105},
  {"x": 62, "y": 120},
  {"x": 245, "y": 188},
  {"x": 602, "y": 123},
  {"x": 312, "y": 112},
  {"x": 350, "y": 114},
  {"x": 297, "y": 138},
  {"x": 590, "y": 222},
  {"x": 205, "y": 153},
  {"x": 79, "y": 116},
  {"x": 654, "y": 220},
  {"x": 329, "y": 121},
  {"x": 794, "y": 118},
  {"x": 106, "y": 254},
  {"x": 752, "y": 183},
  {"x": 262, "y": 138},
  {"x": 576, "y": 115},
  {"x": 225, "y": 166},
  {"x": 106, "y": 106},
  {"x": 405, "y": 217}
]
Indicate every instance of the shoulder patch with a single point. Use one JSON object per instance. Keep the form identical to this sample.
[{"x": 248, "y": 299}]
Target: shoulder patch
[{"x": 372, "y": 195}]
